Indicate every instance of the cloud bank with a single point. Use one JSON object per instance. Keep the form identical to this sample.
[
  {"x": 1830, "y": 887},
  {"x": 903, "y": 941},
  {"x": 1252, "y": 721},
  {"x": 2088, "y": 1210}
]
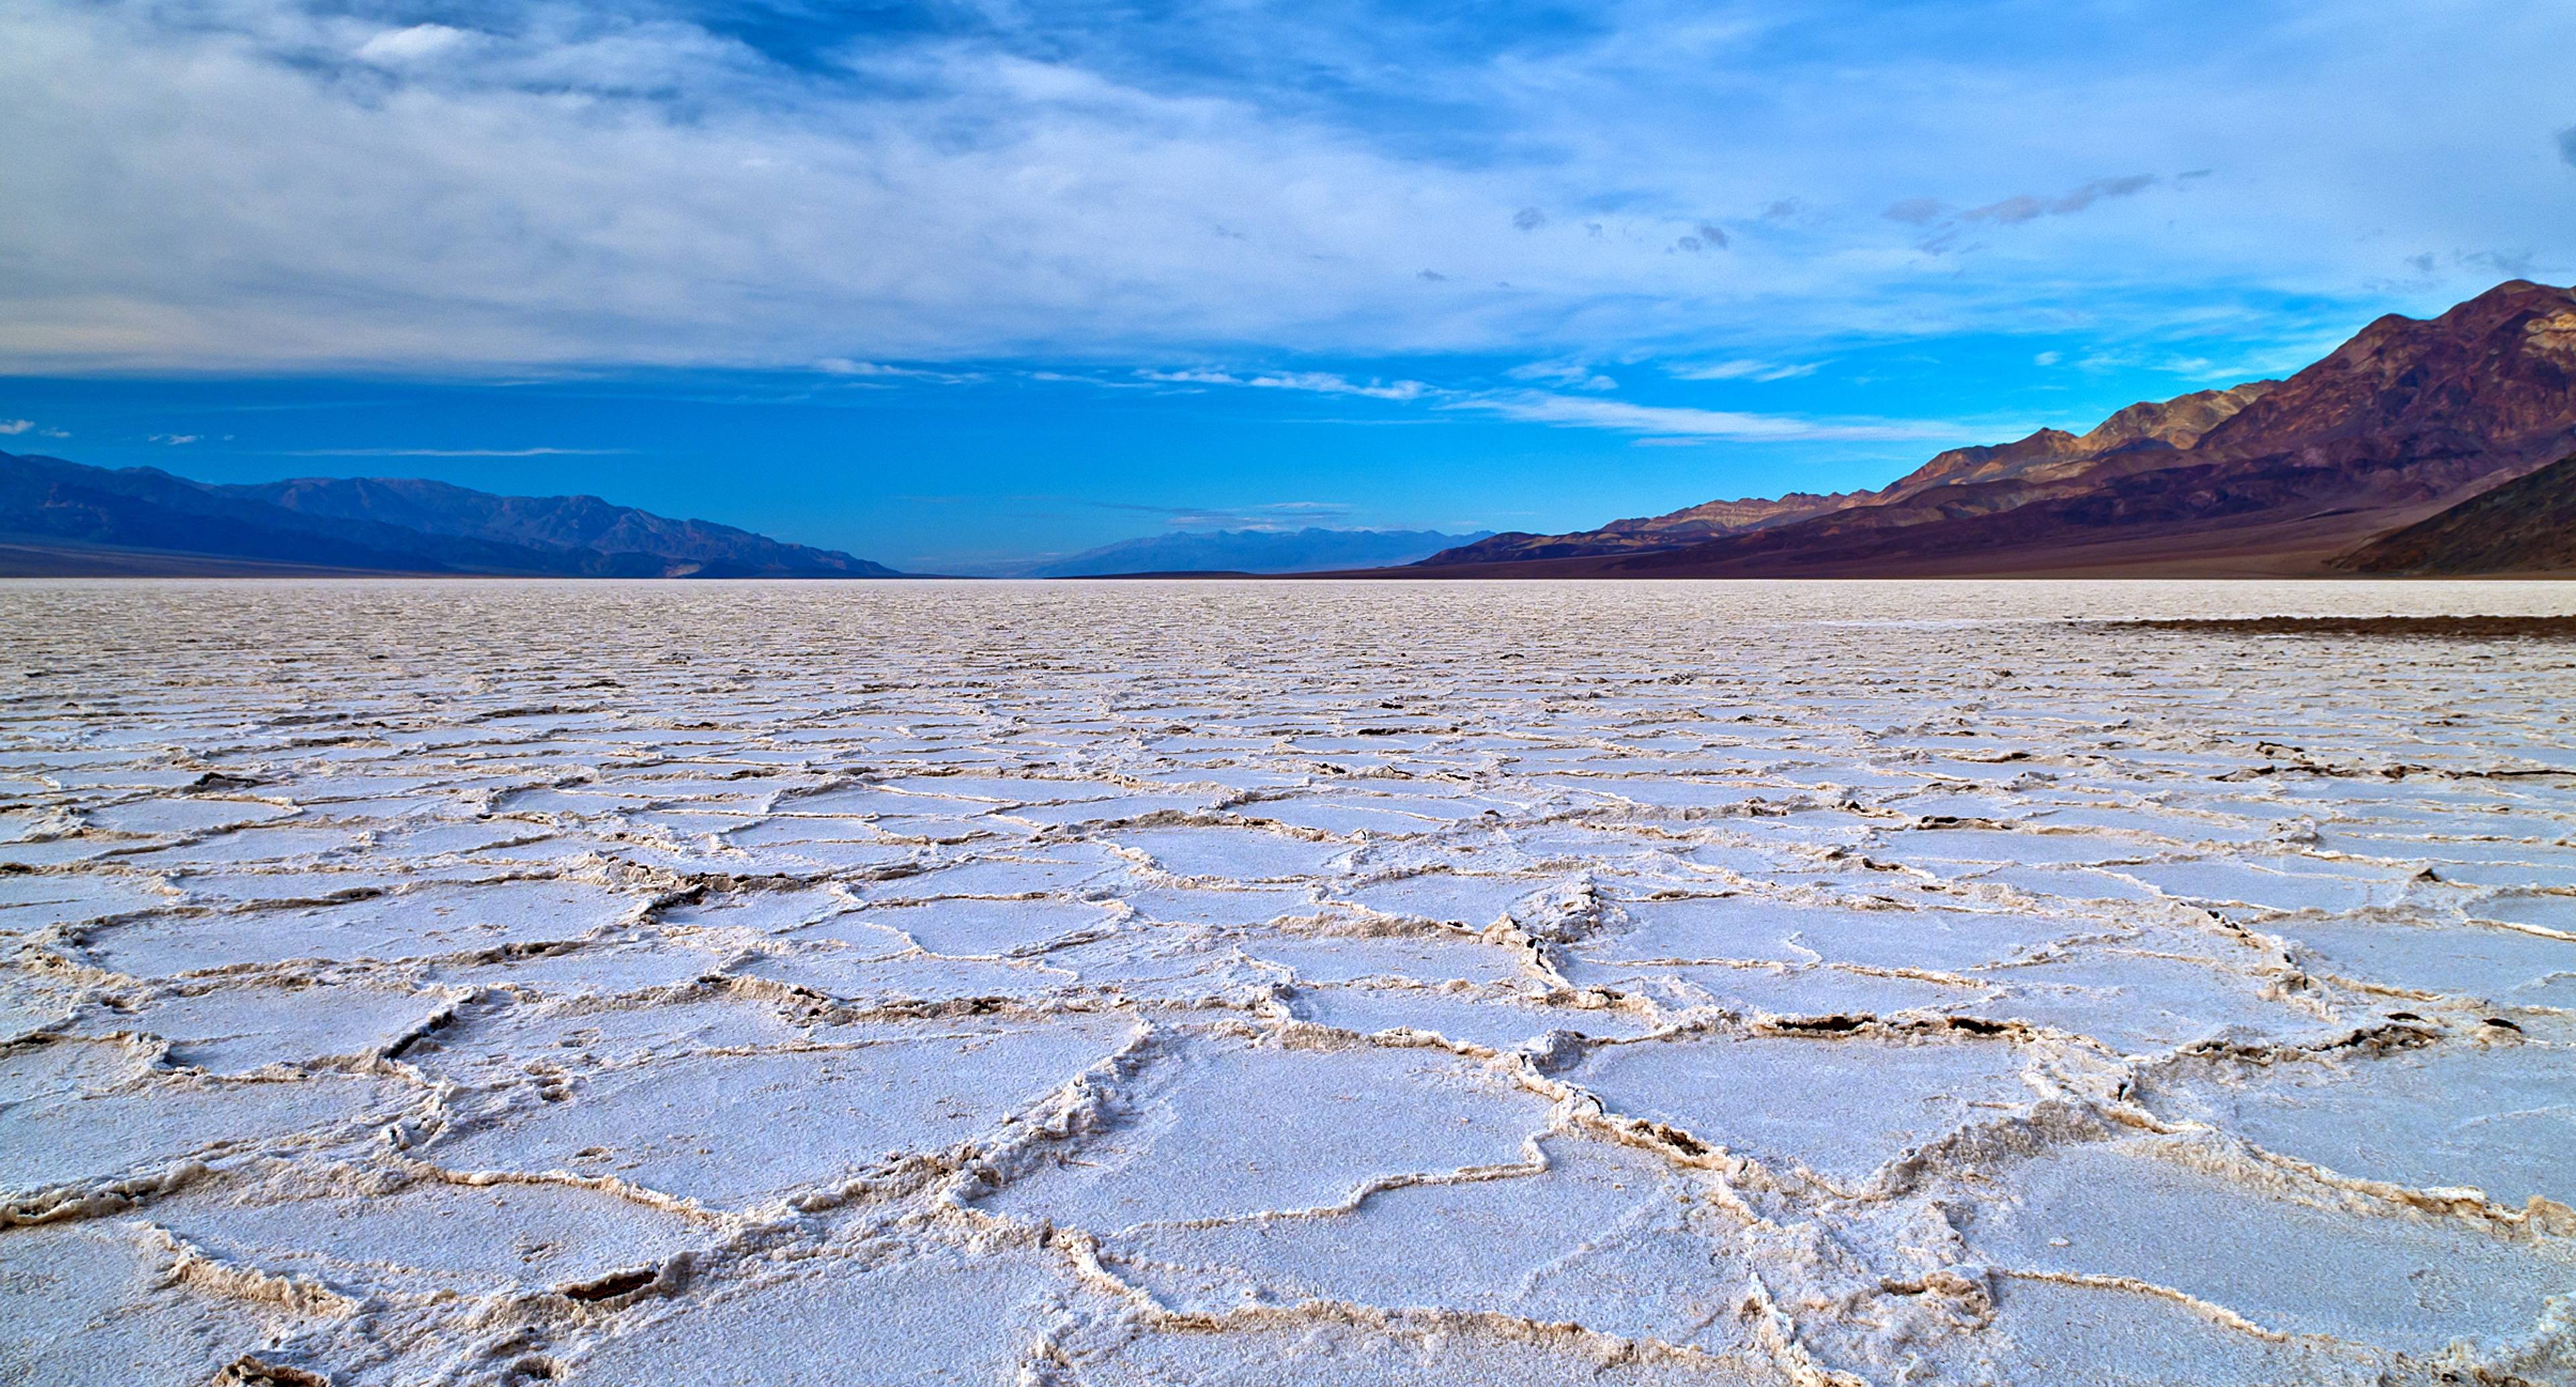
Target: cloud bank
[{"x": 281, "y": 185}]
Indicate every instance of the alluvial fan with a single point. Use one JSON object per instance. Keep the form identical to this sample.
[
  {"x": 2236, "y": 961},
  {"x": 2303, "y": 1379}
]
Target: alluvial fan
[{"x": 1245, "y": 983}]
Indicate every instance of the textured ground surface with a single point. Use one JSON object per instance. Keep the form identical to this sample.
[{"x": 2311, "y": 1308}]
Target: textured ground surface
[{"x": 1155, "y": 984}]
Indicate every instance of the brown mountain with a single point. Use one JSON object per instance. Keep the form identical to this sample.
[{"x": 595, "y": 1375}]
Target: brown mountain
[
  {"x": 1706, "y": 520},
  {"x": 2141, "y": 432},
  {"x": 2404, "y": 421},
  {"x": 2525, "y": 526}
]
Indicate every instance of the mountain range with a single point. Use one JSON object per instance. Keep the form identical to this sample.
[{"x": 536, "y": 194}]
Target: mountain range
[
  {"x": 60, "y": 517},
  {"x": 2442, "y": 429},
  {"x": 1254, "y": 551},
  {"x": 2435, "y": 446}
]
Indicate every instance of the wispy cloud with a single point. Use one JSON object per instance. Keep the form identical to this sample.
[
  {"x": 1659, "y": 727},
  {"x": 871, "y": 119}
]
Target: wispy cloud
[
  {"x": 1571, "y": 375},
  {"x": 877, "y": 370},
  {"x": 1674, "y": 421},
  {"x": 177, "y": 440},
  {"x": 1314, "y": 382},
  {"x": 2014, "y": 210},
  {"x": 1946, "y": 228},
  {"x": 1742, "y": 370},
  {"x": 16, "y": 426},
  {"x": 1590, "y": 411}
]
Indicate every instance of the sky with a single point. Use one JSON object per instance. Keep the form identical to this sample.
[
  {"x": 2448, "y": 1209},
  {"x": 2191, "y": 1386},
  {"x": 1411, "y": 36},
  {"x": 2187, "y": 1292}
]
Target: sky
[{"x": 958, "y": 286}]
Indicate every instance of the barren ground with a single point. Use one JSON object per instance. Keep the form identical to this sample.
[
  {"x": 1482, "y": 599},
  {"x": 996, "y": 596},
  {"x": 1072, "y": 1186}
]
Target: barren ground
[{"x": 1154, "y": 983}]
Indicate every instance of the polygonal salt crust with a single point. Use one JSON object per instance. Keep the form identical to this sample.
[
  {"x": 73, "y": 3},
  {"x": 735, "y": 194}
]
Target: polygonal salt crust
[
  {"x": 1839, "y": 1105},
  {"x": 1497, "y": 1019},
  {"x": 1608, "y": 1238},
  {"x": 493, "y": 1038},
  {"x": 1229, "y": 854},
  {"x": 182, "y": 815},
  {"x": 1444, "y": 897},
  {"x": 761, "y": 912},
  {"x": 1777, "y": 989},
  {"x": 425, "y": 922},
  {"x": 227, "y": 889},
  {"x": 233, "y": 1029},
  {"x": 2271, "y": 1248},
  {"x": 142, "y": 1128},
  {"x": 971, "y": 927},
  {"x": 1113, "y": 809},
  {"x": 2506, "y": 966},
  {"x": 1423, "y": 956},
  {"x": 882, "y": 977},
  {"x": 936, "y": 1316},
  {"x": 2139, "y": 1003},
  {"x": 2262, "y": 888},
  {"x": 1319, "y": 1348},
  {"x": 1526, "y": 751},
  {"x": 1755, "y": 929},
  {"x": 1344, "y": 815},
  {"x": 733, "y": 1130},
  {"x": 2066, "y": 883},
  {"x": 2491, "y": 1114},
  {"x": 610, "y": 968},
  {"x": 1970, "y": 845},
  {"x": 2117, "y": 1336},
  {"x": 51, "y": 1066},
  {"x": 94, "y": 1302},
  {"x": 427, "y": 1236},
  {"x": 999, "y": 877},
  {"x": 1225, "y": 1128},
  {"x": 1211, "y": 905},
  {"x": 39, "y": 901}
]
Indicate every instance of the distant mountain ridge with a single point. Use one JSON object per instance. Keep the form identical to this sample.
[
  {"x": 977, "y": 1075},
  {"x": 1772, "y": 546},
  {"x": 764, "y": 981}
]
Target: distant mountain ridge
[
  {"x": 59, "y": 516},
  {"x": 1254, "y": 551},
  {"x": 2407, "y": 419}
]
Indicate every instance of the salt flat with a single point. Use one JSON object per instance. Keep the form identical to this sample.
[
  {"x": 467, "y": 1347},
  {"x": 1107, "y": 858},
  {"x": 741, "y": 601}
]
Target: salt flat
[{"x": 1101, "y": 984}]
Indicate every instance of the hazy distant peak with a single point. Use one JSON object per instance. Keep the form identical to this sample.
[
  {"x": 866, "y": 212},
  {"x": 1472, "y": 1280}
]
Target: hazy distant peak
[{"x": 1309, "y": 550}]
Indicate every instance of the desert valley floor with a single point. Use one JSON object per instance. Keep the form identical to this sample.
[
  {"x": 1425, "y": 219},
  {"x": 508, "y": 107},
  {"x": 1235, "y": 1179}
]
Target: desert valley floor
[{"x": 1103, "y": 985}]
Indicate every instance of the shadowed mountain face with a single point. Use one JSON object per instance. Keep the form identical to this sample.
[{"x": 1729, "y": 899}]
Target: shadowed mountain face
[
  {"x": 1254, "y": 551},
  {"x": 62, "y": 517},
  {"x": 2527, "y": 525},
  {"x": 2408, "y": 418}
]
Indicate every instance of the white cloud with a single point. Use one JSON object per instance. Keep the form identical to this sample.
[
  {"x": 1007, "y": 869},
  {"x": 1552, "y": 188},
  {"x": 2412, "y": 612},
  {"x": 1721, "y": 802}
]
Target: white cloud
[
  {"x": 1672, "y": 421},
  {"x": 176, "y": 440},
  {"x": 16, "y": 426},
  {"x": 419, "y": 43},
  {"x": 570, "y": 183},
  {"x": 1743, "y": 370},
  {"x": 1316, "y": 382},
  {"x": 843, "y": 366},
  {"x": 1571, "y": 375}
]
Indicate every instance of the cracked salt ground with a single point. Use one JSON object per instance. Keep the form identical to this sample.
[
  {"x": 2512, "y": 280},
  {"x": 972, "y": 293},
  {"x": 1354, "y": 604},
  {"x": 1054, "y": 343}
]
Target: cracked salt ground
[{"x": 1096, "y": 986}]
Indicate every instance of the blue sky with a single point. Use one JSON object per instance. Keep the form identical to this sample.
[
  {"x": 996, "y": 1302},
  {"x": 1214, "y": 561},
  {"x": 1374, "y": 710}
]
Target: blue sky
[{"x": 953, "y": 285}]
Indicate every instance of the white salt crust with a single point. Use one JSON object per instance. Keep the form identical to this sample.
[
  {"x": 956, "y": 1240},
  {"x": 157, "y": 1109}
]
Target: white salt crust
[{"x": 1206, "y": 983}]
